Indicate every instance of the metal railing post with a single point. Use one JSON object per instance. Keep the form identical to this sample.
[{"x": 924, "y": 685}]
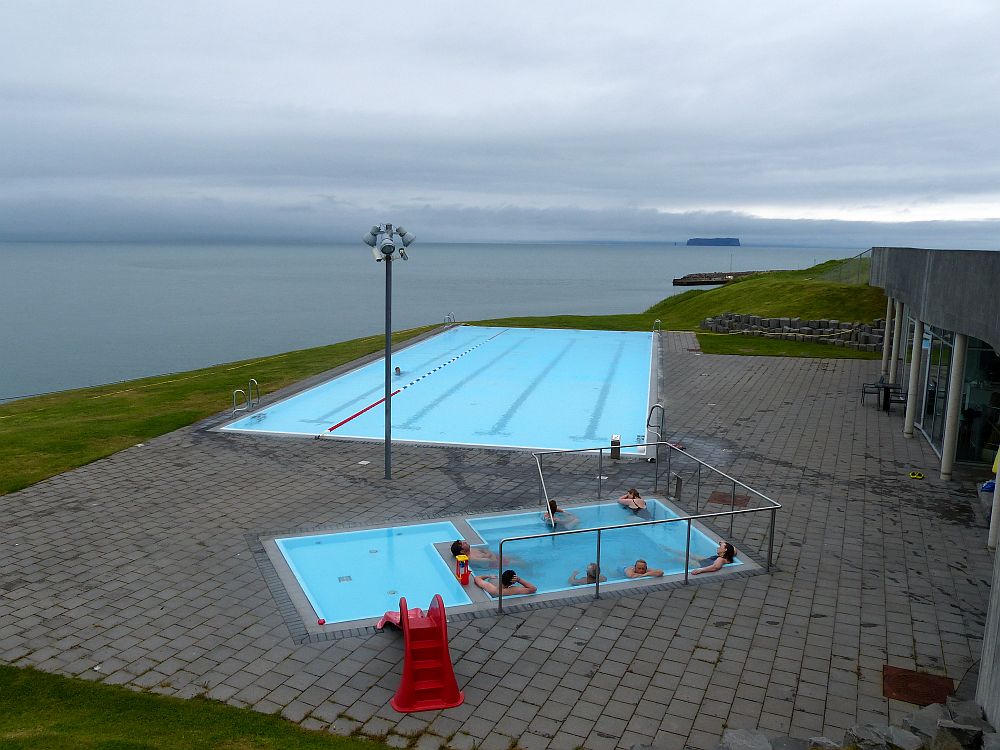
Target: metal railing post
[
  {"x": 732, "y": 507},
  {"x": 687, "y": 554},
  {"x": 670, "y": 455},
  {"x": 500, "y": 579},
  {"x": 600, "y": 472},
  {"x": 656, "y": 466},
  {"x": 697, "y": 492},
  {"x": 597, "y": 584},
  {"x": 770, "y": 541}
]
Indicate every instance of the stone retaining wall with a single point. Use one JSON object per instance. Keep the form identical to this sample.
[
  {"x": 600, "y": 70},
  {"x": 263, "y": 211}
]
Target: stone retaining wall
[{"x": 866, "y": 337}]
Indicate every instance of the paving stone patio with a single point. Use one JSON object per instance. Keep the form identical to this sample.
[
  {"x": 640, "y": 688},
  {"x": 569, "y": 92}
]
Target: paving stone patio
[{"x": 139, "y": 570}]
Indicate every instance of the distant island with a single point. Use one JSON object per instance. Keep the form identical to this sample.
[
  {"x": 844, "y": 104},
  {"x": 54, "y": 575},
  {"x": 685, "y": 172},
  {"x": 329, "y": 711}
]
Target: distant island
[{"x": 723, "y": 241}]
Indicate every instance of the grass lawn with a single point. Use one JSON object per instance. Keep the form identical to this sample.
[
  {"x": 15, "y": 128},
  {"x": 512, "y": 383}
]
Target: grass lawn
[
  {"x": 40, "y": 711},
  {"x": 47, "y": 435},
  {"x": 722, "y": 343}
]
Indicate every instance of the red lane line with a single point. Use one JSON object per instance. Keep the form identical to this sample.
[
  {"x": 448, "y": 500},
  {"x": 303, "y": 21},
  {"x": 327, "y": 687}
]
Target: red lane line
[{"x": 359, "y": 413}]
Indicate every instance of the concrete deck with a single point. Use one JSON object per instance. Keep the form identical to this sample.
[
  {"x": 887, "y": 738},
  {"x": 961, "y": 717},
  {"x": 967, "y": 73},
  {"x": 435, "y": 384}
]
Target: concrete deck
[{"x": 142, "y": 570}]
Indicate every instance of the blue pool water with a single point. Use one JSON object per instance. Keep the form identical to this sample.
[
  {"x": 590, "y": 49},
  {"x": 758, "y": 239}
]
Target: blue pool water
[
  {"x": 355, "y": 575},
  {"x": 510, "y": 387},
  {"x": 549, "y": 562},
  {"x": 358, "y": 575}
]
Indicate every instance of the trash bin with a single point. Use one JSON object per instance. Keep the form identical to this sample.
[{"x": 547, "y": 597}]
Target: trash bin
[{"x": 616, "y": 446}]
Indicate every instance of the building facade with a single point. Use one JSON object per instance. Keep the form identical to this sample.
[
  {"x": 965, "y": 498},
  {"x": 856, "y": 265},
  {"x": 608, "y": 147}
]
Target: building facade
[{"x": 941, "y": 346}]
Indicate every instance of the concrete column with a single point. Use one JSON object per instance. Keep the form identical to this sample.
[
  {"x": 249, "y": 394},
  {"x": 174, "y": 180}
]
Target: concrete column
[
  {"x": 956, "y": 376},
  {"x": 995, "y": 516},
  {"x": 897, "y": 334},
  {"x": 911, "y": 391},
  {"x": 884, "y": 370}
]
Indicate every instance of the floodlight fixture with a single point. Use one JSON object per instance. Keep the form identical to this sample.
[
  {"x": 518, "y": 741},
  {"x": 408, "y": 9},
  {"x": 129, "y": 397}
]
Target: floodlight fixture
[
  {"x": 405, "y": 237},
  {"x": 382, "y": 239}
]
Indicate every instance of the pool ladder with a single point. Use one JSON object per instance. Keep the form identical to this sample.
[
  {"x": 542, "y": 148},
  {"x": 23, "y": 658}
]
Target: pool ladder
[
  {"x": 449, "y": 318},
  {"x": 656, "y": 427},
  {"x": 244, "y": 400}
]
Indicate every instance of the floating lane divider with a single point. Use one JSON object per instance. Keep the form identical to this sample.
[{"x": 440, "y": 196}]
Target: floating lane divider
[
  {"x": 414, "y": 381},
  {"x": 359, "y": 413}
]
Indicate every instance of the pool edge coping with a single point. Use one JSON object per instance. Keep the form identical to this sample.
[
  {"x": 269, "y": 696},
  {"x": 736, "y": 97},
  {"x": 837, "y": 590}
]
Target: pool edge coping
[{"x": 301, "y": 632}]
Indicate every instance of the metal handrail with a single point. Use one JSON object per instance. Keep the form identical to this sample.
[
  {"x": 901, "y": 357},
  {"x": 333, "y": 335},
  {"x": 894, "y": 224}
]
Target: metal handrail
[
  {"x": 449, "y": 318},
  {"x": 772, "y": 505},
  {"x": 649, "y": 420},
  {"x": 246, "y": 403},
  {"x": 655, "y": 522},
  {"x": 251, "y": 387},
  {"x": 656, "y": 326},
  {"x": 670, "y": 447}
]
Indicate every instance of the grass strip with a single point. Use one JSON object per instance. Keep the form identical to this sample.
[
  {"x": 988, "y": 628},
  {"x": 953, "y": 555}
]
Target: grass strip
[
  {"x": 40, "y": 711},
  {"x": 47, "y": 435}
]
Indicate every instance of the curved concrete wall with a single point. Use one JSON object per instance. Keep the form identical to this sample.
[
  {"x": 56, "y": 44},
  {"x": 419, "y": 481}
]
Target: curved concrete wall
[{"x": 954, "y": 289}]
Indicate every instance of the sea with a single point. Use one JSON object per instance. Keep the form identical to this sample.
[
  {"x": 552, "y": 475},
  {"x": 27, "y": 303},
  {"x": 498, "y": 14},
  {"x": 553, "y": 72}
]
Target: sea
[{"x": 81, "y": 314}]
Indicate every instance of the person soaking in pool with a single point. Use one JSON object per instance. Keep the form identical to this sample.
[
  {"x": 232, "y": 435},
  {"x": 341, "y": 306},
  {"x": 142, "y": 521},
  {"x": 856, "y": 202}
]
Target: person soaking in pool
[
  {"x": 725, "y": 554},
  {"x": 562, "y": 518},
  {"x": 641, "y": 569},
  {"x": 479, "y": 556},
  {"x": 590, "y": 578},
  {"x": 632, "y": 500},
  {"x": 509, "y": 582}
]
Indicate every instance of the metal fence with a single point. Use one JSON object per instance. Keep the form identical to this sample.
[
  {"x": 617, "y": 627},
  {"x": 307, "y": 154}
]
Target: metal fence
[
  {"x": 851, "y": 270},
  {"x": 703, "y": 493}
]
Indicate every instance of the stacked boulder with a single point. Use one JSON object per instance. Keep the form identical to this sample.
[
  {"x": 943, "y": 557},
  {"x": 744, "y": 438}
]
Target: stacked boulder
[{"x": 866, "y": 337}]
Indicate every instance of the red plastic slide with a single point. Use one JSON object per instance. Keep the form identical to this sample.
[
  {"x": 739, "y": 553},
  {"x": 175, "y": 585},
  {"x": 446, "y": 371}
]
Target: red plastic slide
[{"x": 428, "y": 682}]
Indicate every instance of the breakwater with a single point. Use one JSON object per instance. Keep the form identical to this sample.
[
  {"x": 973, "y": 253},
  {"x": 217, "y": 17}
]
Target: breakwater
[
  {"x": 866, "y": 337},
  {"x": 713, "y": 278}
]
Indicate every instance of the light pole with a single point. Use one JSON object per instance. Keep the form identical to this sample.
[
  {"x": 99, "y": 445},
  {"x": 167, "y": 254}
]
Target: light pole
[{"x": 386, "y": 242}]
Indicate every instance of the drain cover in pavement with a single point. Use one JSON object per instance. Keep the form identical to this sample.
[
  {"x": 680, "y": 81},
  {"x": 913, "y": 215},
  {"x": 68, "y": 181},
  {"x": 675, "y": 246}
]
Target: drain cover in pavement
[
  {"x": 919, "y": 688},
  {"x": 724, "y": 498}
]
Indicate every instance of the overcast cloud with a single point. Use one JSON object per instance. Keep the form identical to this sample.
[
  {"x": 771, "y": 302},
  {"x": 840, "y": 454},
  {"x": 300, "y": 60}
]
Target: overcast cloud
[{"x": 855, "y": 123}]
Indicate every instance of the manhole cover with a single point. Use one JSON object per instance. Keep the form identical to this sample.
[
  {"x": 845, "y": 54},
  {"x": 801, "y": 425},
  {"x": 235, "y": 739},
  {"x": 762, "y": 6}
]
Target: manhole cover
[
  {"x": 725, "y": 498},
  {"x": 919, "y": 688}
]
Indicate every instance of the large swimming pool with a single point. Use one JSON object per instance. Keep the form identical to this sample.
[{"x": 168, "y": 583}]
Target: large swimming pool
[{"x": 470, "y": 385}]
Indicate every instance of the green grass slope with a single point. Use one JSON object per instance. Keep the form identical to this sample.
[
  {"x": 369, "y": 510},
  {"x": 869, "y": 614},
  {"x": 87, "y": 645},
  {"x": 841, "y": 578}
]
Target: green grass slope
[{"x": 47, "y": 435}]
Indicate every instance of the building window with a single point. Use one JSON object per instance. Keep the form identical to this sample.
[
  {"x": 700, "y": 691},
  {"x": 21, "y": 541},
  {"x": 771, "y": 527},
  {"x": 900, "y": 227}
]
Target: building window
[{"x": 979, "y": 426}]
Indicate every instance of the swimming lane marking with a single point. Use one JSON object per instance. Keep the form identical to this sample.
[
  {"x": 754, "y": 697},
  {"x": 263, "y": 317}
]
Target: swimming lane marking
[{"x": 415, "y": 380}]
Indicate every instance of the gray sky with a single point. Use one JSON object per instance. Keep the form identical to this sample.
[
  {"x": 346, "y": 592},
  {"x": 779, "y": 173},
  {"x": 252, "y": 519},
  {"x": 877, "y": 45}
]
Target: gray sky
[{"x": 852, "y": 123}]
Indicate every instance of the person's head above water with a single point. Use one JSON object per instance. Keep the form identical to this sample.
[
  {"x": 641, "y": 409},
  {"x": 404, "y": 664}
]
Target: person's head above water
[
  {"x": 640, "y": 566},
  {"x": 593, "y": 571},
  {"x": 460, "y": 547},
  {"x": 633, "y": 500},
  {"x": 508, "y": 578},
  {"x": 726, "y": 550}
]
